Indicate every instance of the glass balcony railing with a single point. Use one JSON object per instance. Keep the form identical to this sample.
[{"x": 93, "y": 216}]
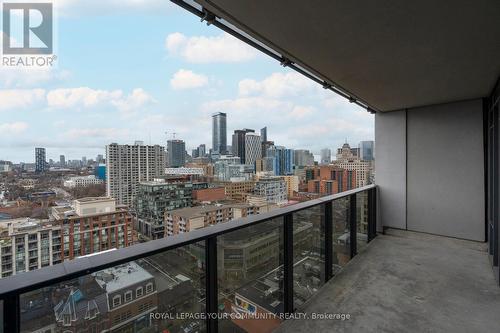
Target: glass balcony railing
[{"x": 247, "y": 275}]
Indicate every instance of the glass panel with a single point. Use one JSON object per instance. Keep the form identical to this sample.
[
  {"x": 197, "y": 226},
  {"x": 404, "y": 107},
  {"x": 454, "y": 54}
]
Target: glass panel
[
  {"x": 308, "y": 253},
  {"x": 341, "y": 234},
  {"x": 361, "y": 220},
  {"x": 160, "y": 293},
  {"x": 250, "y": 272}
]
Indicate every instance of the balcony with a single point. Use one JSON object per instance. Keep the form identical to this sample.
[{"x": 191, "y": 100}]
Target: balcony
[
  {"x": 270, "y": 264},
  {"x": 409, "y": 282},
  {"x": 433, "y": 83}
]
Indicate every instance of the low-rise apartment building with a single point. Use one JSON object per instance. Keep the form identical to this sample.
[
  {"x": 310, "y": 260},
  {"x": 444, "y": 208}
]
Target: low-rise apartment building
[
  {"x": 82, "y": 181},
  {"x": 90, "y": 225},
  {"x": 192, "y": 218}
]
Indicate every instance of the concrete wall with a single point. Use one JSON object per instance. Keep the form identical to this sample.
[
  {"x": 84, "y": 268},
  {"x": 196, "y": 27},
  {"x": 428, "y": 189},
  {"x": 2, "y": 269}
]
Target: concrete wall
[
  {"x": 390, "y": 168},
  {"x": 441, "y": 190}
]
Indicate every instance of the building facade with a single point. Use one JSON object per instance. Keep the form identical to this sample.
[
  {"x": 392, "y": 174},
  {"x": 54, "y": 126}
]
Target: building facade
[
  {"x": 273, "y": 189},
  {"x": 176, "y": 153},
  {"x": 40, "y": 160},
  {"x": 238, "y": 143},
  {"x": 326, "y": 156},
  {"x": 348, "y": 160},
  {"x": 367, "y": 150},
  {"x": 253, "y": 148},
  {"x": 82, "y": 181},
  {"x": 128, "y": 165},
  {"x": 188, "y": 219},
  {"x": 154, "y": 199},
  {"x": 329, "y": 179},
  {"x": 219, "y": 133},
  {"x": 90, "y": 225}
]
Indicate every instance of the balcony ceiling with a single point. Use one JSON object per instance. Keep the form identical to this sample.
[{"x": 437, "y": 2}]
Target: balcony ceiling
[{"x": 389, "y": 54}]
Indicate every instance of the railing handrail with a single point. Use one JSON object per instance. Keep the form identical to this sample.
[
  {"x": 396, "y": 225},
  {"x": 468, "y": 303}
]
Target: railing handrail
[{"x": 67, "y": 270}]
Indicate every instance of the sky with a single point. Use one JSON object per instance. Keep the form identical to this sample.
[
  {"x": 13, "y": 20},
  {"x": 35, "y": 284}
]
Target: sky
[{"x": 143, "y": 69}]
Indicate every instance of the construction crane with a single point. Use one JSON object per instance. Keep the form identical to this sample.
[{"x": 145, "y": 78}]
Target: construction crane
[{"x": 173, "y": 134}]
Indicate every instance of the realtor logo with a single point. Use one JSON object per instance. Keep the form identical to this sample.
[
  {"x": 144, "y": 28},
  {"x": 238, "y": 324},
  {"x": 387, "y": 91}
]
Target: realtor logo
[{"x": 28, "y": 28}]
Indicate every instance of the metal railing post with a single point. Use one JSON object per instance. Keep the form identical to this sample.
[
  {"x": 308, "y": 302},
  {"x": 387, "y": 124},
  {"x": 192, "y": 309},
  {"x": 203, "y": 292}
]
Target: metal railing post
[
  {"x": 352, "y": 225},
  {"x": 372, "y": 213},
  {"x": 211, "y": 283},
  {"x": 328, "y": 239},
  {"x": 288, "y": 263},
  {"x": 11, "y": 314}
]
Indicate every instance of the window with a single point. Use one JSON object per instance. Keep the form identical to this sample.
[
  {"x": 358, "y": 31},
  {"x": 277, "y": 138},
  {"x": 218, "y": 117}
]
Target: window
[
  {"x": 139, "y": 292},
  {"x": 149, "y": 288},
  {"x": 117, "y": 300},
  {"x": 128, "y": 296},
  {"x": 66, "y": 320}
]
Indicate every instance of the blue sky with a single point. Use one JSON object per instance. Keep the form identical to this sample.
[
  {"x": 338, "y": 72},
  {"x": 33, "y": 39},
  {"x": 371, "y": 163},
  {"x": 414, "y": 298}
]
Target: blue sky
[{"x": 135, "y": 69}]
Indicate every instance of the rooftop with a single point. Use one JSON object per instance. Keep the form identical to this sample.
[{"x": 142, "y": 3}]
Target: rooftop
[{"x": 119, "y": 277}]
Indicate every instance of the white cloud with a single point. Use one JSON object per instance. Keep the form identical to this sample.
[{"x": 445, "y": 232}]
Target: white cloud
[
  {"x": 85, "y": 97},
  {"x": 202, "y": 49},
  {"x": 20, "y": 98},
  {"x": 186, "y": 79},
  {"x": 80, "y": 97},
  {"x": 96, "y": 133},
  {"x": 278, "y": 85},
  {"x": 301, "y": 111},
  {"x": 98, "y": 7},
  {"x": 20, "y": 77},
  {"x": 297, "y": 112},
  {"x": 13, "y": 128},
  {"x": 134, "y": 101},
  {"x": 245, "y": 104}
]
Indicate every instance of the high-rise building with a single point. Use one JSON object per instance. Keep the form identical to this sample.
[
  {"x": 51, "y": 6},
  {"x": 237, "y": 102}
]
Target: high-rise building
[
  {"x": 238, "y": 143},
  {"x": 84, "y": 161},
  {"x": 366, "y": 150},
  {"x": 202, "y": 150},
  {"x": 99, "y": 159},
  {"x": 176, "y": 153},
  {"x": 253, "y": 148},
  {"x": 303, "y": 158},
  {"x": 229, "y": 167},
  {"x": 283, "y": 160},
  {"x": 40, "y": 160},
  {"x": 62, "y": 161},
  {"x": 326, "y": 156},
  {"x": 219, "y": 133},
  {"x": 127, "y": 165},
  {"x": 263, "y": 134},
  {"x": 266, "y": 145}
]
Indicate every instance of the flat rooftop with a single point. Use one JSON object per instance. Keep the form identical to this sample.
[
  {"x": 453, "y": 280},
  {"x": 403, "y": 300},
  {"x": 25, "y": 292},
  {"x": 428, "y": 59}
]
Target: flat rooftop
[
  {"x": 409, "y": 282},
  {"x": 123, "y": 276}
]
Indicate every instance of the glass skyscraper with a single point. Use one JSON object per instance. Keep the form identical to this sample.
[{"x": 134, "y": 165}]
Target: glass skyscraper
[
  {"x": 366, "y": 150},
  {"x": 219, "y": 134},
  {"x": 176, "y": 153}
]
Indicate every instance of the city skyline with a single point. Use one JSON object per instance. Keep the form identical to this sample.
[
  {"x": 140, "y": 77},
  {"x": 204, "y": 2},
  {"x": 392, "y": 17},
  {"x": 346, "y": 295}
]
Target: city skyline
[{"x": 72, "y": 112}]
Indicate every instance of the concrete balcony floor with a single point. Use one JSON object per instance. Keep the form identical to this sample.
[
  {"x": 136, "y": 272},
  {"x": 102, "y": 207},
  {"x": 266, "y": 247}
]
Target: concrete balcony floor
[{"x": 409, "y": 282}]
